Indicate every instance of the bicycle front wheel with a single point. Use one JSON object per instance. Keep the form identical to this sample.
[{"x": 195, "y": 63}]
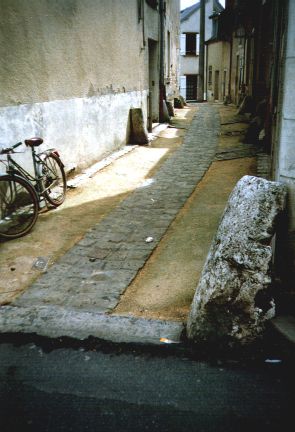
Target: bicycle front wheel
[
  {"x": 54, "y": 180},
  {"x": 18, "y": 207}
]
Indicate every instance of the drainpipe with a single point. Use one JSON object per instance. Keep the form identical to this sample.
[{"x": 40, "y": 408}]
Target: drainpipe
[
  {"x": 143, "y": 24},
  {"x": 162, "y": 95},
  {"x": 206, "y": 74},
  {"x": 201, "y": 52},
  {"x": 230, "y": 67}
]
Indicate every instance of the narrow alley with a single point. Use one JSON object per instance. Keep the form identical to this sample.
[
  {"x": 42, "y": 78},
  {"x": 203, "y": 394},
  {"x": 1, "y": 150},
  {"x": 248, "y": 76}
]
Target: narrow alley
[
  {"x": 137, "y": 252},
  {"x": 159, "y": 295}
]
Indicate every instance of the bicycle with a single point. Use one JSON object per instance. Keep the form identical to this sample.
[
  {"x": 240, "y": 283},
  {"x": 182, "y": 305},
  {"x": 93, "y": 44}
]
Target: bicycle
[{"x": 22, "y": 194}]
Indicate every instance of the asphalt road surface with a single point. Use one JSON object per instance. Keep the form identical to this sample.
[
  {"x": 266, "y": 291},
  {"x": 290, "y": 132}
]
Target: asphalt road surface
[{"x": 60, "y": 386}]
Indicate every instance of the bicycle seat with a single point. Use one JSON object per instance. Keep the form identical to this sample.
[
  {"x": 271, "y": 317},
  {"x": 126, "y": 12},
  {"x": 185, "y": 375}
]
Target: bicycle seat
[{"x": 34, "y": 142}]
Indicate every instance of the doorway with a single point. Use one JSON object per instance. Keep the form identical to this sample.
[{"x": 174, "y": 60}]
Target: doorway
[
  {"x": 191, "y": 87},
  {"x": 153, "y": 95},
  {"x": 216, "y": 85},
  {"x": 224, "y": 85}
]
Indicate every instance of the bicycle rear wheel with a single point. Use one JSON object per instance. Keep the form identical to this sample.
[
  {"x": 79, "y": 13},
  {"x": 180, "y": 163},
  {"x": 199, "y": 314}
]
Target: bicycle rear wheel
[
  {"x": 54, "y": 180},
  {"x": 18, "y": 207}
]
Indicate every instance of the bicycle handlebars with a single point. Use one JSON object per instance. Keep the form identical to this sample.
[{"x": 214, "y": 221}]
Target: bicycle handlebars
[
  {"x": 8, "y": 150},
  {"x": 32, "y": 142}
]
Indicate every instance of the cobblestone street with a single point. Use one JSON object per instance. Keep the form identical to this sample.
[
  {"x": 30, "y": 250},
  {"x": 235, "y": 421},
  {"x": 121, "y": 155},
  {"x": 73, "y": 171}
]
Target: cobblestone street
[{"x": 77, "y": 295}]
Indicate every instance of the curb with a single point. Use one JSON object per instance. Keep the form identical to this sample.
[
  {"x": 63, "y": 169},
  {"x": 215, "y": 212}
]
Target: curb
[{"x": 55, "y": 322}]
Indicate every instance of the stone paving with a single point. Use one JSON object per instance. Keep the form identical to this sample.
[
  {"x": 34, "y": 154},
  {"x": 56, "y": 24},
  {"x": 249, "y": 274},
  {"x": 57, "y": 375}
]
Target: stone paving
[
  {"x": 87, "y": 282},
  {"x": 242, "y": 150},
  {"x": 239, "y": 151},
  {"x": 93, "y": 274}
]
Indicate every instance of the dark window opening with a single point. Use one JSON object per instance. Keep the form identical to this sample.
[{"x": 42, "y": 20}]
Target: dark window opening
[
  {"x": 152, "y": 3},
  {"x": 210, "y": 76},
  {"x": 190, "y": 45}
]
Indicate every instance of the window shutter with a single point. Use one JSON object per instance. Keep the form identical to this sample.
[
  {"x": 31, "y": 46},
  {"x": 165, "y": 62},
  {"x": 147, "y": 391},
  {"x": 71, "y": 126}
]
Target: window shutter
[
  {"x": 182, "y": 88},
  {"x": 182, "y": 43},
  {"x": 197, "y": 43}
]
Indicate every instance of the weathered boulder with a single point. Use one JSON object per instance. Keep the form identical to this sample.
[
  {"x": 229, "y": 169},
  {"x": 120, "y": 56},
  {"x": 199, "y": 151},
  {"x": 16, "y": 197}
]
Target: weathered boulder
[{"x": 231, "y": 301}]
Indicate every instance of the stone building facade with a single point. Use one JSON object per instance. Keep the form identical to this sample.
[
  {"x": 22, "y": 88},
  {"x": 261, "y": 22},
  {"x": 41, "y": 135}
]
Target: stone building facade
[
  {"x": 189, "y": 44},
  {"x": 71, "y": 70},
  {"x": 258, "y": 40}
]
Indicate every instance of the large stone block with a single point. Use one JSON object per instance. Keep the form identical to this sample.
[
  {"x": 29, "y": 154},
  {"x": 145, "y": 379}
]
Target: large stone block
[
  {"x": 139, "y": 134},
  {"x": 231, "y": 301}
]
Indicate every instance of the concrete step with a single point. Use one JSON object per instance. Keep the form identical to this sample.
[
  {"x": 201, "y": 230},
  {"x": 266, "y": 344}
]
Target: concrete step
[{"x": 285, "y": 325}]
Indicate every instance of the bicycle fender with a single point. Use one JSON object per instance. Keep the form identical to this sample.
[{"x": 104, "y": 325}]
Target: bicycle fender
[{"x": 53, "y": 152}]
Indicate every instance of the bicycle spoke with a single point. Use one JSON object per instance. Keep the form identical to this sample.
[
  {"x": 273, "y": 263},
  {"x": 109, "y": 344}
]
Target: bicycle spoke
[
  {"x": 18, "y": 207},
  {"x": 54, "y": 180}
]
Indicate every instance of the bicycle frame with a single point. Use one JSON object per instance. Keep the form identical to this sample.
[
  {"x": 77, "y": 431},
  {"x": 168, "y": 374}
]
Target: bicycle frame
[
  {"x": 23, "y": 192},
  {"x": 14, "y": 168}
]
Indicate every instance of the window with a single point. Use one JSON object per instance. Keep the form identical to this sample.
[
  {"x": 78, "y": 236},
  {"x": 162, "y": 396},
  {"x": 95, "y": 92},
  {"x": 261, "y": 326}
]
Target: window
[
  {"x": 210, "y": 76},
  {"x": 189, "y": 43}
]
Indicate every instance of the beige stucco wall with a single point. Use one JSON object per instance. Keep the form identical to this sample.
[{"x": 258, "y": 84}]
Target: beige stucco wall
[
  {"x": 219, "y": 60},
  {"x": 172, "y": 24},
  {"x": 58, "y": 49}
]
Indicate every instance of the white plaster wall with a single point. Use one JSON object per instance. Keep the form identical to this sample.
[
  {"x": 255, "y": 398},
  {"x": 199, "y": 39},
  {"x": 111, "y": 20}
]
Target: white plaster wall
[
  {"x": 83, "y": 129},
  {"x": 285, "y": 166},
  {"x": 71, "y": 70},
  {"x": 151, "y": 22},
  {"x": 192, "y": 24},
  {"x": 189, "y": 65},
  {"x": 172, "y": 24},
  {"x": 287, "y": 152}
]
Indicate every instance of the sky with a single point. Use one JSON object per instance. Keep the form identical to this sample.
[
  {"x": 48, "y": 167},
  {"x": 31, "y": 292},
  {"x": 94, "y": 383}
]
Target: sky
[{"x": 186, "y": 3}]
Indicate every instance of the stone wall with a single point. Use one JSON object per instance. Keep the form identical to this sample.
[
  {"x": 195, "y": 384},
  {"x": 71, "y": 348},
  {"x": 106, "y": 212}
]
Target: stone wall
[
  {"x": 82, "y": 129},
  {"x": 71, "y": 70},
  {"x": 286, "y": 159}
]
